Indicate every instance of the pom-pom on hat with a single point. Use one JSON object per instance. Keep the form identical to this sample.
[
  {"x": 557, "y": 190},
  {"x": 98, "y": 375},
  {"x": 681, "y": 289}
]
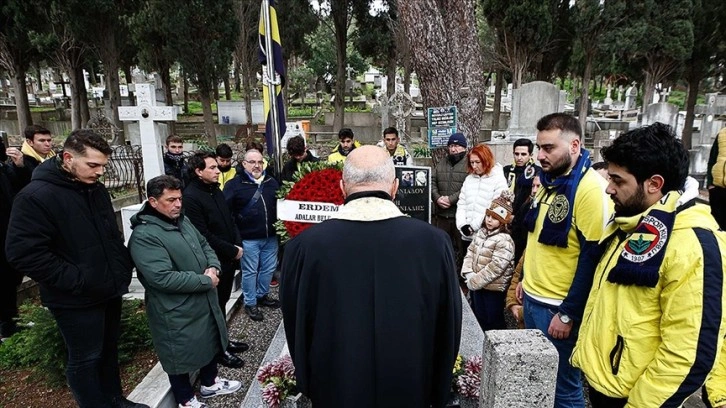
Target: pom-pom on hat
[{"x": 501, "y": 207}]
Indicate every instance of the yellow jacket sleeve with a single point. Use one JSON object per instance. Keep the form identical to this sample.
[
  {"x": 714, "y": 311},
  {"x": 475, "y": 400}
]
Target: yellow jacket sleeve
[{"x": 716, "y": 383}]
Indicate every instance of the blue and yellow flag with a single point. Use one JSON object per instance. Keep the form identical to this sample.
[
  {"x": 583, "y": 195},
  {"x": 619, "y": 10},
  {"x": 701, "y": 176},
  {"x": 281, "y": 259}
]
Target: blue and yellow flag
[{"x": 279, "y": 71}]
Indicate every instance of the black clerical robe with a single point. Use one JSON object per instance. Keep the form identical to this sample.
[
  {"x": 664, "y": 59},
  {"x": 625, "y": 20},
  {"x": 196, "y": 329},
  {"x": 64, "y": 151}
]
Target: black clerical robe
[{"x": 372, "y": 309}]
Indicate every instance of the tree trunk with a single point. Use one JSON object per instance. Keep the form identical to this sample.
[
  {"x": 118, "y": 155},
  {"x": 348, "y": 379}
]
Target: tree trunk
[
  {"x": 648, "y": 88},
  {"x": 437, "y": 47},
  {"x": 227, "y": 90},
  {"x": 85, "y": 114},
  {"x": 497, "y": 100},
  {"x": 21, "y": 100},
  {"x": 186, "y": 92},
  {"x": 339, "y": 13},
  {"x": 40, "y": 77},
  {"x": 216, "y": 91},
  {"x": 169, "y": 98},
  {"x": 407, "y": 78},
  {"x": 204, "y": 96},
  {"x": 585, "y": 95},
  {"x": 391, "y": 77},
  {"x": 72, "y": 73},
  {"x": 237, "y": 80},
  {"x": 693, "y": 83},
  {"x": 247, "y": 89}
]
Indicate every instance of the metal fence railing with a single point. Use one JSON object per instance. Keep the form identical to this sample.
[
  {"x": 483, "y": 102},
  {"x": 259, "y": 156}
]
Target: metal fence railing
[{"x": 125, "y": 172}]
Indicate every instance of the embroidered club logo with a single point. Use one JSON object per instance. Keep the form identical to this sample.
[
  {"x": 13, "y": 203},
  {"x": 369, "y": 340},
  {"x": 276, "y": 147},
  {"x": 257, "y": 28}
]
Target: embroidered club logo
[
  {"x": 559, "y": 209},
  {"x": 529, "y": 172},
  {"x": 648, "y": 239}
]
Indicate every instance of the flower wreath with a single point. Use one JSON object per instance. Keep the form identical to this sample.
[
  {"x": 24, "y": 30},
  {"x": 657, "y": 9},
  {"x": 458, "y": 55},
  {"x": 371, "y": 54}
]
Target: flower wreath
[{"x": 316, "y": 182}]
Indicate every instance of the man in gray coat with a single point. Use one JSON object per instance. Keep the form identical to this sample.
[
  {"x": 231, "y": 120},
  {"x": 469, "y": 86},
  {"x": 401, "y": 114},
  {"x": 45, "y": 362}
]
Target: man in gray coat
[{"x": 179, "y": 271}]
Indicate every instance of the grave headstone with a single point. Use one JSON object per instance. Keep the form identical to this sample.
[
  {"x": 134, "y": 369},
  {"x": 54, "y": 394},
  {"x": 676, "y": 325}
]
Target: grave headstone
[
  {"x": 620, "y": 93},
  {"x": 146, "y": 113},
  {"x": 413, "y": 197},
  {"x": 631, "y": 94},
  {"x": 529, "y": 103},
  {"x": 608, "y": 98},
  {"x": 663, "y": 112},
  {"x": 710, "y": 125},
  {"x": 519, "y": 370},
  {"x": 442, "y": 123},
  {"x": 401, "y": 107}
]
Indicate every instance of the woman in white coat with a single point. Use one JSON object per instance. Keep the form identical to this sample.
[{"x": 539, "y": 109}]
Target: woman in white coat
[{"x": 484, "y": 183}]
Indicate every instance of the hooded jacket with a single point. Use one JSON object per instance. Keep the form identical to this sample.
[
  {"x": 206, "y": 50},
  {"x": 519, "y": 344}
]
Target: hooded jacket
[
  {"x": 63, "y": 234},
  {"x": 490, "y": 258},
  {"x": 656, "y": 345},
  {"x": 476, "y": 194},
  {"x": 187, "y": 325}
]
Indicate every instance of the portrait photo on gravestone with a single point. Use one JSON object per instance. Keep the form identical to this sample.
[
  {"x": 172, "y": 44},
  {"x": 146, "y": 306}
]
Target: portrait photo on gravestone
[{"x": 414, "y": 191}]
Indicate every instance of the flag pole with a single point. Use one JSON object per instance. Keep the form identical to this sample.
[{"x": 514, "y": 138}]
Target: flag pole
[{"x": 271, "y": 83}]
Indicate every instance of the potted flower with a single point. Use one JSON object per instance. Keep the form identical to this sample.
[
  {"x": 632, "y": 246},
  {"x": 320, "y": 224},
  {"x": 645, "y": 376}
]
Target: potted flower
[
  {"x": 279, "y": 386},
  {"x": 466, "y": 382}
]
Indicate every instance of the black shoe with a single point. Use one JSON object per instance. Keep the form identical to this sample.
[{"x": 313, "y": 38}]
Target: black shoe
[
  {"x": 254, "y": 313},
  {"x": 230, "y": 360},
  {"x": 267, "y": 301},
  {"x": 121, "y": 402},
  {"x": 237, "y": 347}
]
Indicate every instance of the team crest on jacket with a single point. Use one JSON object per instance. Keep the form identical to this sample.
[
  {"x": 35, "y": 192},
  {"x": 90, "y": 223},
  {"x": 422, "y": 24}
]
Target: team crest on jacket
[
  {"x": 558, "y": 209},
  {"x": 529, "y": 171},
  {"x": 648, "y": 239}
]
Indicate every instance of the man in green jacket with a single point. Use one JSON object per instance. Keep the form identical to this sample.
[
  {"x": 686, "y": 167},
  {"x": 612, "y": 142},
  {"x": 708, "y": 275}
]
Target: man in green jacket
[{"x": 179, "y": 271}]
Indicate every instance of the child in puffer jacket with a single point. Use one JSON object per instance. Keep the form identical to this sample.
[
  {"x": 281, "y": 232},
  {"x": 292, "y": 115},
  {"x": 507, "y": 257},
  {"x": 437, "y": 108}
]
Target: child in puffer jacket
[{"x": 489, "y": 264}]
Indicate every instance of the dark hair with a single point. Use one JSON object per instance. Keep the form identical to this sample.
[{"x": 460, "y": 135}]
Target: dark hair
[
  {"x": 389, "y": 130},
  {"x": 345, "y": 133},
  {"x": 560, "y": 121},
  {"x": 33, "y": 130},
  {"x": 651, "y": 150},
  {"x": 254, "y": 145},
  {"x": 224, "y": 151},
  {"x": 173, "y": 139},
  {"x": 80, "y": 139},
  {"x": 524, "y": 142},
  {"x": 197, "y": 162},
  {"x": 156, "y": 186},
  {"x": 599, "y": 165},
  {"x": 296, "y": 145}
]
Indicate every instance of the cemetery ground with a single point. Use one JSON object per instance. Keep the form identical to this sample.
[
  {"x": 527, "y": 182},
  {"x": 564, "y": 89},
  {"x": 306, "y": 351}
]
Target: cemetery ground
[{"x": 26, "y": 388}]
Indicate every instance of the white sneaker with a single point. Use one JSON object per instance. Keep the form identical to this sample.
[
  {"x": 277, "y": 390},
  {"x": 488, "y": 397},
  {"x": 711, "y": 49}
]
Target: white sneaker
[
  {"x": 193, "y": 403},
  {"x": 221, "y": 386}
]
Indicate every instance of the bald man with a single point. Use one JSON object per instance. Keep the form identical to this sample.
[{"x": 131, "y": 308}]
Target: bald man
[{"x": 371, "y": 322}]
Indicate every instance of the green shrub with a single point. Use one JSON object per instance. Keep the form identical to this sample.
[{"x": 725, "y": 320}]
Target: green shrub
[{"x": 40, "y": 346}]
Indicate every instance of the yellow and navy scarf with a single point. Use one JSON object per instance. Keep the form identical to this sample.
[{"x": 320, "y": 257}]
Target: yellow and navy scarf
[
  {"x": 646, "y": 235},
  {"x": 28, "y": 150},
  {"x": 555, "y": 232}
]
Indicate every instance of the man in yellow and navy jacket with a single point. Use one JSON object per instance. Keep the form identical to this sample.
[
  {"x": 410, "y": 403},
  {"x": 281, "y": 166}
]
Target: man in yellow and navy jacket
[{"x": 653, "y": 326}]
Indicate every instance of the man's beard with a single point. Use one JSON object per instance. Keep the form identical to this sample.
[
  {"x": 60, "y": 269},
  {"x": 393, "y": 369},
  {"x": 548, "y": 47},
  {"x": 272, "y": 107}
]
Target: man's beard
[
  {"x": 560, "y": 167},
  {"x": 632, "y": 206},
  {"x": 224, "y": 169}
]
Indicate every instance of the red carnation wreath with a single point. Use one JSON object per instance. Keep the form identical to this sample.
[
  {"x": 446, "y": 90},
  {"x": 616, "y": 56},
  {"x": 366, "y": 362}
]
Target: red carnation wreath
[{"x": 315, "y": 182}]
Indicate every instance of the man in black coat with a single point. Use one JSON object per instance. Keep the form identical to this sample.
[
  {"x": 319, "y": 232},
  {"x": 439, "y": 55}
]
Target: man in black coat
[
  {"x": 298, "y": 154},
  {"x": 366, "y": 326},
  {"x": 63, "y": 234},
  {"x": 12, "y": 179},
  {"x": 205, "y": 207}
]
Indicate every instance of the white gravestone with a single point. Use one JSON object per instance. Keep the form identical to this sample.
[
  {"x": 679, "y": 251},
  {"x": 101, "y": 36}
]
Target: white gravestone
[{"x": 146, "y": 113}]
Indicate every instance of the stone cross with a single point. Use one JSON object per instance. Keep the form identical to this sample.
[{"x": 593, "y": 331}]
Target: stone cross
[
  {"x": 349, "y": 69},
  {"x": 147, "y": 113},
  {"x": 620, "y": 93},
  {"x": 401, "y": 106}
]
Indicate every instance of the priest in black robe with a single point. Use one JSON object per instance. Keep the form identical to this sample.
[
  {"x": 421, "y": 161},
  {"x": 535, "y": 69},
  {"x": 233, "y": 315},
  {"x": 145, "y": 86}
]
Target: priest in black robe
[{"x": 370, "y": 300}]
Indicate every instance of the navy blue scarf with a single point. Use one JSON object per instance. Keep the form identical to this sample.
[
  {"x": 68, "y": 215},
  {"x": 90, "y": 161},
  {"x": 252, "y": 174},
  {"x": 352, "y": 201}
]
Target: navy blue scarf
[{"x": 558, "y": 221}]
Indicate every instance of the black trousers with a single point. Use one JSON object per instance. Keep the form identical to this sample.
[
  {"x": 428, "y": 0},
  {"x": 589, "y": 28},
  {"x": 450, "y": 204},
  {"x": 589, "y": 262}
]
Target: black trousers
[
  {"x": 91, "y": 335},
  {"x": 599, "y": 400},
  {"x": 8, "y": 302},
  {"x": 717, "y": 200},
  {"x": 224, "y": 288}
]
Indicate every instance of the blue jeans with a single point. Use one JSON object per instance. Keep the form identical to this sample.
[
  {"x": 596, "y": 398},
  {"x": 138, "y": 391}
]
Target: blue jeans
[
  {"x": 259, "y": 260},
  {"x": 568, "y": 391},
  {"x": 181, "y": 387},
  {"x": 91, "y": 335}
]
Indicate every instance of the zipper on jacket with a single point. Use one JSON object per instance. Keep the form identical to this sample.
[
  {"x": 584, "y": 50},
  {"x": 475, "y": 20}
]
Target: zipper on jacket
[
  {"x": 264, "y": 205},
  {"x": 616, "y": 354}
]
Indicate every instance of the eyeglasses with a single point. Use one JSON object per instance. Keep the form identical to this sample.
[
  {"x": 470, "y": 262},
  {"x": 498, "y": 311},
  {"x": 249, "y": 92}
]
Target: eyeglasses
[{"x": 252, "y": 162}]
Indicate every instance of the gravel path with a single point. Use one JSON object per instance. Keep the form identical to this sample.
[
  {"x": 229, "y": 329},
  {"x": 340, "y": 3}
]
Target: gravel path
[{"x": 258, "y": 335}]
